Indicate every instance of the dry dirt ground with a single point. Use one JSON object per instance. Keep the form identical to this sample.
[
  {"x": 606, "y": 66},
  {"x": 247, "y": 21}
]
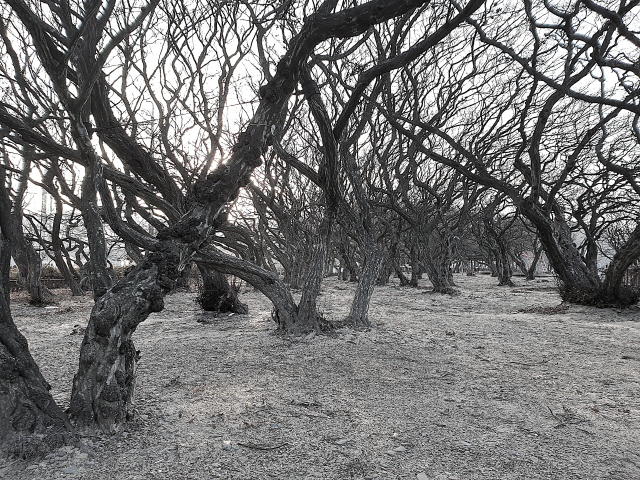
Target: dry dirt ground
[{"x": 496, "y": 383}]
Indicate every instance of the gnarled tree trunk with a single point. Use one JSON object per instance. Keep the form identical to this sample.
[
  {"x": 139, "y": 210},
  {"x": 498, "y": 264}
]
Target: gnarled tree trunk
[
  {"x": 217, "y": 295},
  {"x": 28, "y": 261},
  {"x": 440, "y": 277},
  {"x": 308, "y": 318},
  {"x": 285, "y": 309},
  {"x": 613, "y": 292},
  {"x": 579, "y": 284},
  {"x": 103, "y": 388},
  {"x": 359, "y": 314},
  {"x": 26, "y": 406},
  {"x": 56, "y": 246}
]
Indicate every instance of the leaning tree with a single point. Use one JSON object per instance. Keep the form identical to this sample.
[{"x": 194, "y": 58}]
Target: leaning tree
[
  {"x": 74, "y": 46},
  {"x": 559, "y": 78}
]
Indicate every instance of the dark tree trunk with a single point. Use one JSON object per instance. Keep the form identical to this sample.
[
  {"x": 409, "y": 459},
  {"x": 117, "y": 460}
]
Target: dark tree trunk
[
  {"x": 103, "y": 388},
  {"x": 613, "y": 292},
  {"x": 385, "y": 272},
  {"x": 404, "y": 281},
  {"x": 531, "y": 272},
  {"x": 591, "y": 256},
  {"x": 134, "y": 252},
  {"x": 217, "y": 295},
  {"x": 519, "y": 263},
  {"x": 26, "y": 406},
  {"x": 416, "y": 267},
  {"x": 437, "y": 264},
  {"x": 491, "y": 263},
  {"x": 308, "y": 318},
  {"x": 440, "y": 277},
  {"x": 349, "y": 268},
  {"x": 416, "y": 274},
  {"x": 579, "y": 284},
  {"x": 294, "y": 275},
  {"x": 285, "y": 309},
  {"x": 28, "y": 261},
  {"x": 56, "y": 246},
  {"x": 99, "y": 273},
  {"x": 503, "y": 266},
  {"x": 359, "y": 314}
]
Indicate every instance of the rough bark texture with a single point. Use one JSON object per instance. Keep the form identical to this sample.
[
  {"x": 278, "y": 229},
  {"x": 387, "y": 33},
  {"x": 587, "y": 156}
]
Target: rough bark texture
[
  {"x": 285, "y": 309},
  {"x": 58, "y": 247},
  {"x": 499, "y": 250},
  {"x": 216, "y": 294},
  {"x": 308, "y": 319},
  {"x": 359, "y": 314},
  {"x": 576, "y": 277},
  {"x": 440, "y": 276},
  {"x": 531, "y": 273},
  {"x": 613, "y": 292},
  {"x": 28, "y": 262},
  {"x": 104, "y": 386},
  {"x": 26, "y": 406}
]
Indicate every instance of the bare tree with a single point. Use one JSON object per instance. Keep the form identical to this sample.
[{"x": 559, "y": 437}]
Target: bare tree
[
  {"x": 553, "y": 72},
  {"x": 75, "y": 55}
]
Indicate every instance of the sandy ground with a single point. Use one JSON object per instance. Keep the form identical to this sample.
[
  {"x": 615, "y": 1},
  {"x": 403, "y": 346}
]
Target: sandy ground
[{"x": 495, "y": 383}]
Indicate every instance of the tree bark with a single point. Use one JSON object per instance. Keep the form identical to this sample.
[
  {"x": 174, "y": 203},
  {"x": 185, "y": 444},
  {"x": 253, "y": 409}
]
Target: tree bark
[
  {"x": 579, "y": 284},
  {"x": 613, "y": 292},
  {"x": 359, "y": 314},
  {"x": 440, "y": 277},
  {"x": 503, "y": 266},
  {"x": 56, "y": 246},
  {"x": 308, "y": 318},
  {"x": 285, "y": 309},
  {"x": 26, "y": 406},
  {"x": 103, "y": 388},
  {"x": 28, "y": 261},
  {"x": 531, "y": 272},
  {"x": 217, "y": 295}
]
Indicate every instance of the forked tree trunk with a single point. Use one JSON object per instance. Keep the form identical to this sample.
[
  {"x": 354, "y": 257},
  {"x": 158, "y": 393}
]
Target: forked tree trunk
[
  {"x": 359, "y": 315},
  {"x": 437, "y": 264},
  {"x": 29, "y": 266},
  {"x": 440, "y": 277},
  {"x": 26, "y": 406},
  {"x": 217, "y": 295},
  {"x": 103, "y": 388},
  {"x": 349, "y": 268},
  {"x": 520, "y": 263},
  {"x": 308, "y": 318},
  {"x": 416, "y": 267},
  {"x": 531, "y": 272},
  {"x": 56, "y": 246},
  {"x": 491, "y": 263}
]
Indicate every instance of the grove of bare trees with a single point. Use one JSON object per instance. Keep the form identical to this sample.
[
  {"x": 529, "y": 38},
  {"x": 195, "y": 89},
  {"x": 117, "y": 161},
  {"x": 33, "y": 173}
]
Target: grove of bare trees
[{"x": 282, "y": 142}]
